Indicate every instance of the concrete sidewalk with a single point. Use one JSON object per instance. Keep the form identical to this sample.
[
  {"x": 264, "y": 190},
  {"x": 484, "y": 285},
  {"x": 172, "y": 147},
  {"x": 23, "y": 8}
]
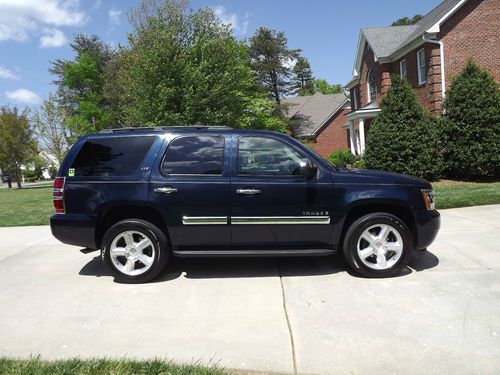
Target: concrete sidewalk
[{"x": 442, "y": 315}]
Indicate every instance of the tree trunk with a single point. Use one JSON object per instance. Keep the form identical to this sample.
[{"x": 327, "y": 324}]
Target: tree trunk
[{"x": 18, "y": 177}]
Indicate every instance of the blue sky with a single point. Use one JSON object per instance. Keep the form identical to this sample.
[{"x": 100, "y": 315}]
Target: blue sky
[{"x": 35, "y": 32}]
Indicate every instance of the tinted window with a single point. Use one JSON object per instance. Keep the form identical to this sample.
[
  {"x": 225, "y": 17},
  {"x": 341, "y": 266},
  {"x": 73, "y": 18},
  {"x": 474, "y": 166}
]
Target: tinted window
[
  {"x": 111, "y": 156},
  {"x": 194, "y": 155},
  {"x": 266, "y": 156}
]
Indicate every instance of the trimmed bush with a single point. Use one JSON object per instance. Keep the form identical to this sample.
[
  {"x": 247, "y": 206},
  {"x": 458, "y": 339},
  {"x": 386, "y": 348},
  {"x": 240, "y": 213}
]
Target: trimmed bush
[
  {"x": 341, "y": 158},
  {"x": 471, "y": 125},
  {"x": 404, "y": 137}
]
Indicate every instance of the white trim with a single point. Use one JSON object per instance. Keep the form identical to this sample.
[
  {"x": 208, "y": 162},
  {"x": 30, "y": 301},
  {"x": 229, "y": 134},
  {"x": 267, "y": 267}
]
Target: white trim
[
  {"x": 421, "y": 80},
  {"x": 366, "y": 113},
  {"x": 401, "y": 68},
  {"x": 355, "y": 97},
  {"x": 437, "y": 26},
  {"x": 441, "y": 57}
]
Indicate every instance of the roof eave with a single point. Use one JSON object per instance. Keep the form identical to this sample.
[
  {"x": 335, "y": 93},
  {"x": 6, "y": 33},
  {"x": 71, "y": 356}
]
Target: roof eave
[{"x": 341, "y": 106}]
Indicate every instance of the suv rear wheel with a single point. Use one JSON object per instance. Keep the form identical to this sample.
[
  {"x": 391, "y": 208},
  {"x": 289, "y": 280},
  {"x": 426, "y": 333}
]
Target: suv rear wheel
[
  {"x": 134, "y": 251},
  {"x": 378, "y": 245}
]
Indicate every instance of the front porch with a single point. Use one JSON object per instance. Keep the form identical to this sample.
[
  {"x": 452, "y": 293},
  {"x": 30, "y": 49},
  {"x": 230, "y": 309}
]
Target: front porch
[{"x": 357, "y": 124}]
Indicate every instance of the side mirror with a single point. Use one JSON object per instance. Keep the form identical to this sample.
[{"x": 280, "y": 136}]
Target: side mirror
[{"x": 306, "y": 168}]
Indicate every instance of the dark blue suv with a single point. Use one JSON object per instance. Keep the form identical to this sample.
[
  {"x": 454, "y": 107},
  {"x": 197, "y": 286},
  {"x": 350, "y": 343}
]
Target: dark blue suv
[{"x": 142, "y": 195}]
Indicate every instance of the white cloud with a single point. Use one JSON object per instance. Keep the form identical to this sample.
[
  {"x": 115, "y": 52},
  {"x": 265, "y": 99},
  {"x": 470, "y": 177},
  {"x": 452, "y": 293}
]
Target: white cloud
[
  {"x": 114, "y": 16},
  {"x": 23, "y": 96},
  {"x": 7, "y": 74},
  {"x": 52, "y": 38},
  {"x": 21, "y": 18},
  {"x": 232, "y": 20}
]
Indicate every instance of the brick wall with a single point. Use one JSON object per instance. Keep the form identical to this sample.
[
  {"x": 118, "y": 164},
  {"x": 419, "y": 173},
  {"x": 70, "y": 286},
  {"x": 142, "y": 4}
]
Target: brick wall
[
  {"x": 429, "y": 92},
  {"x": 367, "y": 63},
  {"x": 472, "y": 32},
  {"x": 333, "y": 136}
]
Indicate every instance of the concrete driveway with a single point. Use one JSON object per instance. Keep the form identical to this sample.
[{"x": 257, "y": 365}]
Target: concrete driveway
[{"x": 441, "y": 316}]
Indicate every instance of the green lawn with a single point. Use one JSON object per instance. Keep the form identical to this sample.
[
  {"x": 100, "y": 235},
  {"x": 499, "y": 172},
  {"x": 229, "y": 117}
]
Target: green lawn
[
  {"x": 33, "y": 206},
  {"x": 30, "y": 206},
  {"x": 451, "y": 194},
  {"x": 35, "y": 366}
]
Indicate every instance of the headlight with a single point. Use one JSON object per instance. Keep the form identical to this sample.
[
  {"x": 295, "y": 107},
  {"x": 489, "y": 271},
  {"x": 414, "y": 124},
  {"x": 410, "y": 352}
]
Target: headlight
[{"x": 429, "y": 198}]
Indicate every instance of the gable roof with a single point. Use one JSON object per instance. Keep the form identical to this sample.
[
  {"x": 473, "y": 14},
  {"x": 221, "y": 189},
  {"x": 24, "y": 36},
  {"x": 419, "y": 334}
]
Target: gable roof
[
  {"x": 388, "y": 40},
  {"x": 309, "y": 113}
]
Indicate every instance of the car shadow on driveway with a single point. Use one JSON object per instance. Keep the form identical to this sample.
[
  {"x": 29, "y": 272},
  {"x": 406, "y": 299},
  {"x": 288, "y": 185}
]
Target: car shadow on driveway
[{"x": 207, "y": 268}]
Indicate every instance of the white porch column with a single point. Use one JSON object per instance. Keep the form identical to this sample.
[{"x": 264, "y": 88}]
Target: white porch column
[
  {"x": 352, "y": 137},
  {"x": 361, "y": 125}
]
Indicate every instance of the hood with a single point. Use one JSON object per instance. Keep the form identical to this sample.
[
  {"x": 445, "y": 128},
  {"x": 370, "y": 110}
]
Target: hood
[{"x": 368, "y": 176}]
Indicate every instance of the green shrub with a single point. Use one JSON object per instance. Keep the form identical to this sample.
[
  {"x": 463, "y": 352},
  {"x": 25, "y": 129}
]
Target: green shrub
[
  {"x": 341, "y": 158},
  {"x": 471, "y": 125},
  {"x": 360, "y": 163},
  {"x": 404, "y": 137}
]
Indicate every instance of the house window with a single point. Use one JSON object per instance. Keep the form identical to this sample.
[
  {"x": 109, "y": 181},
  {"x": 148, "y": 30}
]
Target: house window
[
  {"x": 422, "y": 73},
  {"x": 355, "y": 98},
  {"x": 372, "y": 87},
  {"x": 402, "y": 68}
]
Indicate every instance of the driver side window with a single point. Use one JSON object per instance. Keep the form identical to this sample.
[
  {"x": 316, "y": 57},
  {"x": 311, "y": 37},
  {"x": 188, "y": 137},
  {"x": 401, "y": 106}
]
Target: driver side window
[{"x": 259, "y": 156}]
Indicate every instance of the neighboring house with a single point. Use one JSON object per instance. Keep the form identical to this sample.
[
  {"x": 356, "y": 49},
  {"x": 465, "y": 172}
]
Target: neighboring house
[
  {"x": 319, "y": 119},
  {"x": 428, "y": 54}
]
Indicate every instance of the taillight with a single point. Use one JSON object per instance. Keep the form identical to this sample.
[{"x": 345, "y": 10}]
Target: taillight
[{"x": 58, "y": 195}]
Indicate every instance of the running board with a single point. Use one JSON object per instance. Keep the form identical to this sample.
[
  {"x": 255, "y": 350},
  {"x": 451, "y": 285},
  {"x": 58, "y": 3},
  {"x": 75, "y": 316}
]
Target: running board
[{"x": 252, "y": 253}]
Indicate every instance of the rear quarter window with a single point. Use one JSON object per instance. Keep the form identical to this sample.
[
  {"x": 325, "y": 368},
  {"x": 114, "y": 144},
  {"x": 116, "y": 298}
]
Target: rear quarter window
[{"x": 116, "y": 156}]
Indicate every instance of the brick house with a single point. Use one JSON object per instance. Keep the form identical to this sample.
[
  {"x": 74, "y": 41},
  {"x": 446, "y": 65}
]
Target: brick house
[
  {"x": 428, "y": 54},
  {"x": 319, "y": 119}
]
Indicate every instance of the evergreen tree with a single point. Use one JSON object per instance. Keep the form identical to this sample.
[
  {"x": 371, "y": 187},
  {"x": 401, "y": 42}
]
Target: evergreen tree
[
  {"x": 471, "y": 126},
  {"x": 407, "y": 21},
  {"x": 271, "y": 59},
  {"x": 303, "y": 80},
  {"x": 404, "y": 138}
]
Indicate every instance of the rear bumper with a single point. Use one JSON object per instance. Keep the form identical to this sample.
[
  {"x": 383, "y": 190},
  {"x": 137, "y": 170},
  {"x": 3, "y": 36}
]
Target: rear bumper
[
  {"x": 428, "y": 223},
  {"x": 78, "y": 230}
]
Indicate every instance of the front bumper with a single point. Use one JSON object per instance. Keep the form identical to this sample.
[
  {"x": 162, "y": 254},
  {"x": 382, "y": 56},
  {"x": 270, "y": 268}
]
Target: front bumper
[
  {"x": 78, "y": 230},
  {"x": 427, "y": 227}
]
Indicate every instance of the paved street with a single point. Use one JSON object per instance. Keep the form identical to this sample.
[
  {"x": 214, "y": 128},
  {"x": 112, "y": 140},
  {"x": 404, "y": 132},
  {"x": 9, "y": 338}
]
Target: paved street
[{"x": 441, "y": 316}]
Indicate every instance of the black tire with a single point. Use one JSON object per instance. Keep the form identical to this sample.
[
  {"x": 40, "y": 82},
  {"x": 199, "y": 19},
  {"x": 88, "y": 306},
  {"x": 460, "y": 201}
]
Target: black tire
[
  {"x": 159, "y": 243},
  {"x": 350, "y": 247}
]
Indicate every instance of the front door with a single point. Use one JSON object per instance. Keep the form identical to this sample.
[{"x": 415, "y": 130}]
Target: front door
[
  {"x": 190, "y": 185},
  {"x": 271, "y": 207}
]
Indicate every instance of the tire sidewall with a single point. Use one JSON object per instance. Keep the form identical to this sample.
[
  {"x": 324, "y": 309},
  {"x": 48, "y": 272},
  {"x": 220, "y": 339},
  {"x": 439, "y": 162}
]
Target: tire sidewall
[
  {"x": 147, "y": 229},
  {"x": 359, "y": 226}
]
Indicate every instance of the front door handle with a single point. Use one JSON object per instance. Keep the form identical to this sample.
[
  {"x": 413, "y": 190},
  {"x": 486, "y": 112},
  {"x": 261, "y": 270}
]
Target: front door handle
[
  {"x": 165, "y": 190},
  {"x": 247, "y": 191}
]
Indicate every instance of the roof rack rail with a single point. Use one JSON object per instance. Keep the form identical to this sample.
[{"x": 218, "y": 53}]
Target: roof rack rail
[{"x": 163, "y": 128}]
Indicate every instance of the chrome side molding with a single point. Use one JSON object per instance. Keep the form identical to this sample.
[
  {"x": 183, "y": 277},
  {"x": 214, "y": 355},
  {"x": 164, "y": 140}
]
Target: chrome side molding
[
  {"x": 280, "y": 220},
  {"x": 204, "y": 220}
]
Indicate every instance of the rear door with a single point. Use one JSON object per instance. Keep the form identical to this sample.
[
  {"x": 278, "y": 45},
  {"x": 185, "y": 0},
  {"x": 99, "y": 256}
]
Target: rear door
[{"x": 190, "y": 185}]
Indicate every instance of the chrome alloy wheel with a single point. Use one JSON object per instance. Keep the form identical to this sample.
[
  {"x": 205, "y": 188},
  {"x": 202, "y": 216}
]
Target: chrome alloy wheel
[
  {"x": 132, "y": 253},
  {"x": 380, "y": 246}
]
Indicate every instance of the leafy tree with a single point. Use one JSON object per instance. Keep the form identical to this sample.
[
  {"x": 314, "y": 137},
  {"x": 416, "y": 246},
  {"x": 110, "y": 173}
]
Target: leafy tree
[
  {"x": 54, "y": 137},
  {"x": 324, "y": 87},
  {"x": 80, "y": 84},
  {"x": 471, "y": 125},
  {"x": 186, "y": 67},
  {"x": 16, "y": 141},
  {"x": 404, "y": 137},
  {"x": 407, "y": 21},
  {"x": 303, "y": 80},
  {"x": 271, "y": 60}
]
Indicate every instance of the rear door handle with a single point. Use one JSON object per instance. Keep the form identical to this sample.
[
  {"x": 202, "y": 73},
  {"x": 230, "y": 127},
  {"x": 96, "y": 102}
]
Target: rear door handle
[
  {"x": 165, "y": 190},
  {"x": 247, "y": 191}
]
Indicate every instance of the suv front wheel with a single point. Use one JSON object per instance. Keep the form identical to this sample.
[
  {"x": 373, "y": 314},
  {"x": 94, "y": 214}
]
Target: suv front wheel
[
  {"x": 134, "y": 251},
  {"x": 378, "y": 245}
]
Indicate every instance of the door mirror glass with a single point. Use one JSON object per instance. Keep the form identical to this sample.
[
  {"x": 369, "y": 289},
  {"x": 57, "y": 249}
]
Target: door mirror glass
[{"x": 306, "y": 168}]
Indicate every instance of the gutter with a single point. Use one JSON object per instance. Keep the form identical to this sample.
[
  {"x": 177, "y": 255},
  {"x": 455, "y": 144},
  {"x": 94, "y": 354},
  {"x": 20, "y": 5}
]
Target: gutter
[{"x": 441, "y": 53}]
